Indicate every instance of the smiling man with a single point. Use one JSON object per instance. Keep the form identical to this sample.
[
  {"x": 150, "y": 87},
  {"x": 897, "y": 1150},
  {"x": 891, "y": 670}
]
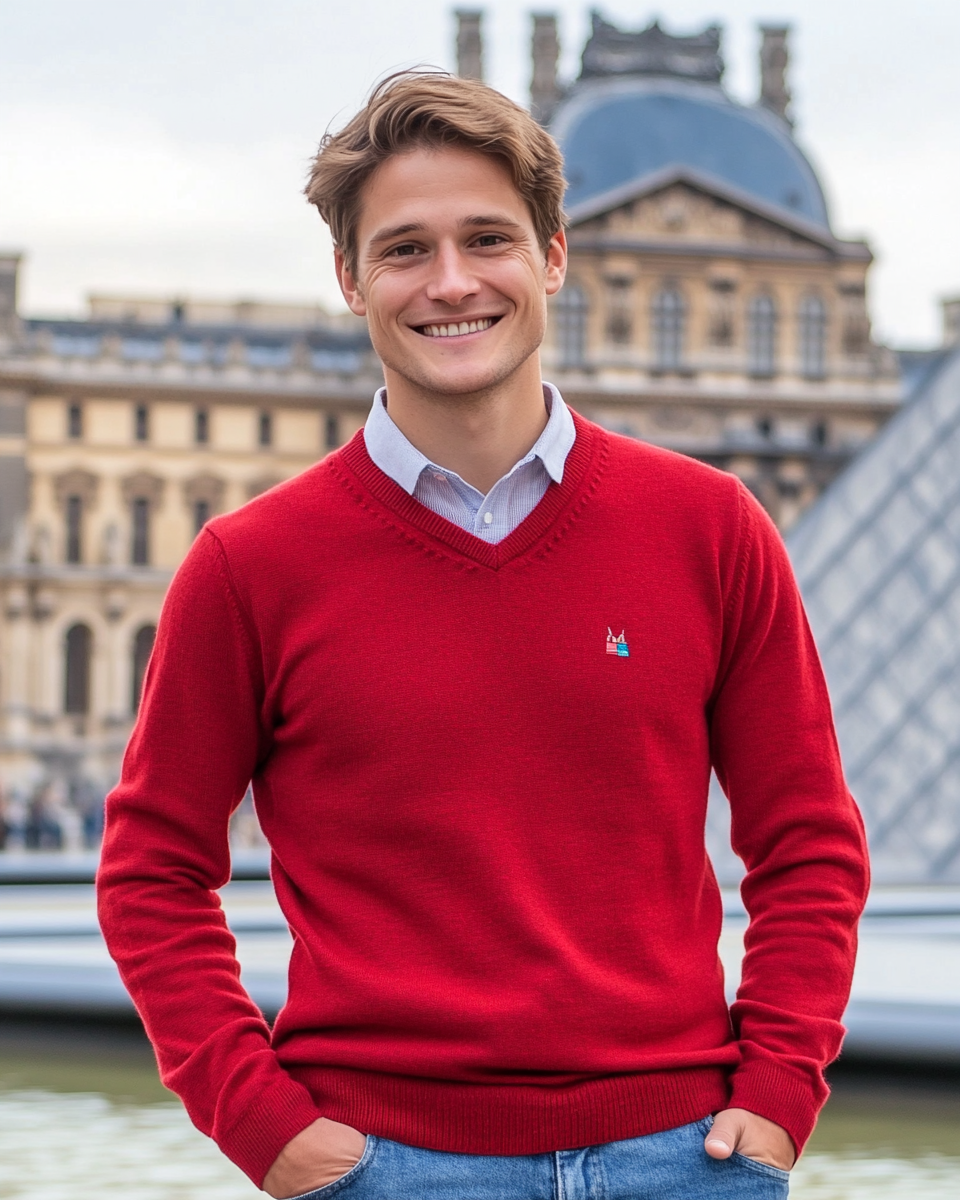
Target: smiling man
[{"x": 479, "y": 664}]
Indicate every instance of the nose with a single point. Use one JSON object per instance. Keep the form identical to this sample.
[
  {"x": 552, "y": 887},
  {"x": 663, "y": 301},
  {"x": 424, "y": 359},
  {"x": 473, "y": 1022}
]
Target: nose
[{"x": 452, "y": 280}]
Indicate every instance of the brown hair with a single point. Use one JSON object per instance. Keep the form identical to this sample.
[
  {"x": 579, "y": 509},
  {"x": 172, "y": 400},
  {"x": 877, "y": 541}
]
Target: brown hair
[{"x": 413, "y": 109}]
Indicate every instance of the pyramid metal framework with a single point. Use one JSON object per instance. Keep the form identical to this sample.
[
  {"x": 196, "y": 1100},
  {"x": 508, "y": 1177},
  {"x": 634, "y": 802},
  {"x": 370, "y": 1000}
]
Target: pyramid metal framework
[{"x": 878, "y": 562}]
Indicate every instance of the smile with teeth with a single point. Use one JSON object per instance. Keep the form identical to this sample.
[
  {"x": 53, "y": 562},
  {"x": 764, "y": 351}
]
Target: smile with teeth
[{"x": 457, "y": 328}]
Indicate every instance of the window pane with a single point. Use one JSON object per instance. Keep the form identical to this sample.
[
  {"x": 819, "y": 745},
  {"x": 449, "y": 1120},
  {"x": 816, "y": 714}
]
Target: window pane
[
  {"x": 762, "y": 336},
  {"x": 572, "y": 308},
  {"x": 140, "y": 549},
  {"x": 74, "y": 527},
  {"x": 669, "y": 320},
  {"x": 76, "y": 698}
]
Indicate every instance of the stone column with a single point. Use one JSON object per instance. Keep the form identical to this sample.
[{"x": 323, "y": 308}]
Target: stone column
[
  {"x": 9, "y": 271},
  {"x": 544, "y": 86},
  {"x": 469, "y": 44},
  {"x": 951, "y": 321},
  {"x": 774, "y": 60},
  {"x": 16, "y": 700}
]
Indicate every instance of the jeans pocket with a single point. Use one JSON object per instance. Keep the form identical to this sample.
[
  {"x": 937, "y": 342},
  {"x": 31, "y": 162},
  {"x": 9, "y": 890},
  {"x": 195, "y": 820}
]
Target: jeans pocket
[
  {"x": 349, "y": 1178},
  {"x": 760, "y": 1167}
]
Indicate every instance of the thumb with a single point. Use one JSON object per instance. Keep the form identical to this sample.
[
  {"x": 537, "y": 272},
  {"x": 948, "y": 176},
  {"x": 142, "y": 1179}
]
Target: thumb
[{"x": 724, "y": 1135}]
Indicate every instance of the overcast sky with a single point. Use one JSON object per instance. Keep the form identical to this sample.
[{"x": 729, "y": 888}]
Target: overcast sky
[{"x": 161, "y": 148}]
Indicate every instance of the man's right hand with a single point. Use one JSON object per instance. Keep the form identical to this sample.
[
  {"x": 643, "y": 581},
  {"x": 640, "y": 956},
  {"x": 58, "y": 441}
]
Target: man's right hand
[{"x": 320, "y": 1154}]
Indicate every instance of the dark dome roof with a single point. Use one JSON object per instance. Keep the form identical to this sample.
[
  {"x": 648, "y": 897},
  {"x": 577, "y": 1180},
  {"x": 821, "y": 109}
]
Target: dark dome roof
[{"x": 616, "y": 130}]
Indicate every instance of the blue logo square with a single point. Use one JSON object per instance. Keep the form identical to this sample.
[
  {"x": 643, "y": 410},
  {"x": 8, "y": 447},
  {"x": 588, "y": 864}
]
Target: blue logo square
[{"x": 623, "y": 650}]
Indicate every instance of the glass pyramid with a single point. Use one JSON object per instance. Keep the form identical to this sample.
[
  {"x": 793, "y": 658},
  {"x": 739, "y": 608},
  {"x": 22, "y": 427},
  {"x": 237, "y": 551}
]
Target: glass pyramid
[{"x": 878, "y": 562}]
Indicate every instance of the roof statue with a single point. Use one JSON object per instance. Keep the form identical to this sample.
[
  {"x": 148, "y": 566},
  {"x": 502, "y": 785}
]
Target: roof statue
[
  {"x": 651, "y": 51},
  {"x": 878, "y": 562},
  {"x": 650, "y": 101}
]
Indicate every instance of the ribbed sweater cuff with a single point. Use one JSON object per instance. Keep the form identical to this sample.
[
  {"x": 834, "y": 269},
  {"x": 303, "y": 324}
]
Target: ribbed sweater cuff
[
  {"x": 281, "y": 1112},
  {"x": 779, "y": 1094}
]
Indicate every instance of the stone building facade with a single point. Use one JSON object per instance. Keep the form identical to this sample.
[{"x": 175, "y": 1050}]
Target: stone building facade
[
  {"x": 709, "y": 306},
  {"x": 120, "y": 436}
]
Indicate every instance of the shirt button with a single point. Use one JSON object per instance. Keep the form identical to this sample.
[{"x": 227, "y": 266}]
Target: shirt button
[{"x": 488, "y": 518}]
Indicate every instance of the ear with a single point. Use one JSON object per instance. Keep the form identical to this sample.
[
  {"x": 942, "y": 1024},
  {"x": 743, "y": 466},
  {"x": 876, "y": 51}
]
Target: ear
[
  {"x": 349, "y": 285},
  {"x": 556, "y": 268}
]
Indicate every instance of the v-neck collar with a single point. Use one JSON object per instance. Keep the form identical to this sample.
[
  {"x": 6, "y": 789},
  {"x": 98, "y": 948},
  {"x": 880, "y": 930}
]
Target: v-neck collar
[{"x": 582, "y": 461}]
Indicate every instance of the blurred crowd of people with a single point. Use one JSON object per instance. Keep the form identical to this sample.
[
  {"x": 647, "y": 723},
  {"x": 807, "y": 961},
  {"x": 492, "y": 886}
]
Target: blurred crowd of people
[
  {"x": 67, "y": 815},
  {"x": 57, "y": 814}
]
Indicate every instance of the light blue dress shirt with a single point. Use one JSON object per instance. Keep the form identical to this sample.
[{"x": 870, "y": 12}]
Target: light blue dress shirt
[{"x": 511, "y": 499}]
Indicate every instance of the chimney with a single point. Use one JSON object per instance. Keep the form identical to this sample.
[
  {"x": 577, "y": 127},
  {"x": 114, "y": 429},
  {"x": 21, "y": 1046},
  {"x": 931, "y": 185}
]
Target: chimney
[
  {"x": 469, "y": 44},
  {"x": 544, "y": 88},
  {"x": 951, "y": 321},
  {"x": 9, "y": 270},
  {"x": 774, "y": 58}
]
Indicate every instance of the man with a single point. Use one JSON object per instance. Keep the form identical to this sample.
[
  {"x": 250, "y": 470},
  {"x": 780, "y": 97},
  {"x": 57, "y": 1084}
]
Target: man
[{"x": 478, "y": 664}]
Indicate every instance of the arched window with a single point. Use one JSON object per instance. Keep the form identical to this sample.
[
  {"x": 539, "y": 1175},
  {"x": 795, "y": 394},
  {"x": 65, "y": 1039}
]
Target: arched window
[
  {"x": 142, "y": 646},
  {"x": 762, "y": 335},
  {"x": 572, "y": 307},
  {"x": 76, "y": 682},
  {"x": 812, "y": 320},
  {"x": 669, "y": 318},
  {"x": 140, "y": 529}
]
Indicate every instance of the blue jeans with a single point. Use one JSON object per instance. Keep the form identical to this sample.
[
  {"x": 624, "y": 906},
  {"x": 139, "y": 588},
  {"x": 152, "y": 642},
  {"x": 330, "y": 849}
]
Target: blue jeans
[{"x": 672, "y": 1165}]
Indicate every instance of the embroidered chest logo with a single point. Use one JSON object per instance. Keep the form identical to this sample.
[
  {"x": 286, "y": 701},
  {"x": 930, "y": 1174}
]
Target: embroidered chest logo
[{"x": 617, "y": 645}]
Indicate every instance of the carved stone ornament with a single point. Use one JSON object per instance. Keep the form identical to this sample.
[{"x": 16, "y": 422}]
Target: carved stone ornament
[
  {"x": 112, "y": 545},
  {"x": 206, "y": 489},
  {"x": 114, "y": 603},
  {"x": 143, "y": 486},
  {"x": 651, "y": 51},
  {"x": 17, "y": 600},
  {"x": 76, "y": 483},
  {"x": 44, "y": 602}
]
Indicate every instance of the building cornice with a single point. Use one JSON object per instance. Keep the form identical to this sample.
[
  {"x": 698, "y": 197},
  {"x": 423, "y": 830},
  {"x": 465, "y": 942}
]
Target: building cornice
[
  {"x": 36, "y": 374},
  {"x": 616, "y": 243}
]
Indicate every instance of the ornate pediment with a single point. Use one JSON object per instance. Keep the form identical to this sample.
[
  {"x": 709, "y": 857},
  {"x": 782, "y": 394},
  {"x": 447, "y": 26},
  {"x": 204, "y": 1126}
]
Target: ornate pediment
[
  {"x": 679, "y": 205},
  {"x": 76, "y": 483},
  {"x": 205, "y": 489},
  {"x": 143, "y": 486}
]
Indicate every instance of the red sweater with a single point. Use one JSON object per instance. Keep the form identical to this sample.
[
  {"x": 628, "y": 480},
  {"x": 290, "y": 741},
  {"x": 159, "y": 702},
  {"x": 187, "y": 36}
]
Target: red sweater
[{"x": 487, "y": 828}]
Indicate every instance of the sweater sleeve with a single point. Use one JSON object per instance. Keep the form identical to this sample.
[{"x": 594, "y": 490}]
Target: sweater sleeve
[
  {"x": 796, "y": 828},
  {"x": 196, "y": 744}
]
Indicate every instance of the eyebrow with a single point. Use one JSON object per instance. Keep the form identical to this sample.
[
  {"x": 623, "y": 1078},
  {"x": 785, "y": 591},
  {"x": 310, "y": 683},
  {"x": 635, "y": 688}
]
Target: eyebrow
[{"x": 479, "y": 221}]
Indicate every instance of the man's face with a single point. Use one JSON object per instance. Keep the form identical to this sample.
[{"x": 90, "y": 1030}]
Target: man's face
[{"x": 449, "y": 273}]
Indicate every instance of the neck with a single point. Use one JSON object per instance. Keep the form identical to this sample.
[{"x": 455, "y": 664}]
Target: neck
[{"x": 479, "y": 435}]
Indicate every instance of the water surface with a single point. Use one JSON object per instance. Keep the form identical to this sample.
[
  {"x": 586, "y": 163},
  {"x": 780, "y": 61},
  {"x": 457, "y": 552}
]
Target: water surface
[{"x": 83, "y": 1116}]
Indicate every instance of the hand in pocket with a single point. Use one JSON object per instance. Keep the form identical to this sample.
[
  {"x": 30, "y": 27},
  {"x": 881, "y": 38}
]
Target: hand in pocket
[{"x": 320, "y": 1154}]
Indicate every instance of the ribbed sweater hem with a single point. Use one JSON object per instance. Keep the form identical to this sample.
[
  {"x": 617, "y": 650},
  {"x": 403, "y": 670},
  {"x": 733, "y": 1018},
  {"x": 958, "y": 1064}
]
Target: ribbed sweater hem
[{"x": 515, "y": 1119}]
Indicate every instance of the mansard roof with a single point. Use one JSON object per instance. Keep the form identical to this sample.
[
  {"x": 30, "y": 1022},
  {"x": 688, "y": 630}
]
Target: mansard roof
[
  {"x": 616, "y": 130},
  {"x": 649, "y": 100}
]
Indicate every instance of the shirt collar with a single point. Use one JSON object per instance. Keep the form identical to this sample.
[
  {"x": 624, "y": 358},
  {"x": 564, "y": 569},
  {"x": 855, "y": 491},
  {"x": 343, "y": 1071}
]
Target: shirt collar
[{"x": 403, "y": 463}]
